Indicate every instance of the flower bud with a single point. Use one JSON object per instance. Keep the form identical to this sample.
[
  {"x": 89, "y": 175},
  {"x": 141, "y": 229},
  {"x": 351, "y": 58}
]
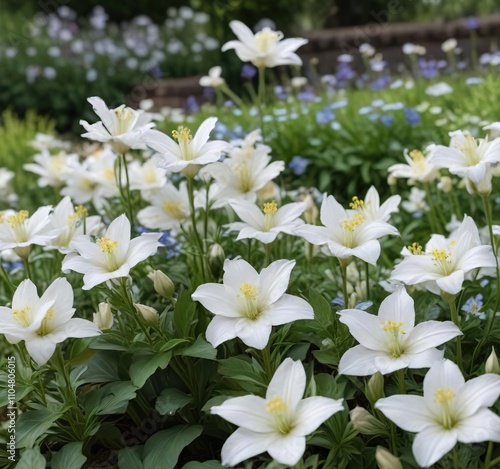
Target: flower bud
[
  {"x": 445, "y": 184},
  {"x": 103, "y": 318},
  {"x": 150, "y": 315},
  {"x": 311, "y": 212},
  {"x": 216, "y": 258},
  {"x": 365, "y": 423},
  {"x": 492, "y": 365},
  {"x": 386, "y": 460},
  {"x": 375, "y": 388},
  {"x": 162, "y": 284}
]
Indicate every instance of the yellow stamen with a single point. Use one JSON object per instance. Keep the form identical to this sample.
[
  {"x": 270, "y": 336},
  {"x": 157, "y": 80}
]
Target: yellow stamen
[
  {"x": 350, "y": 224},
  {"x": 417, "y": 156},
  {"x": 18, "y": 219},
  {"x": 2, "y": 217},
  {"x": 44, "y": 328},
  {"x": 270, "y": 208},
  {"x": 107, "y": 244},
  {"x": 415, "y": 249},
  {"x": 440, "y": 254},
  {"x": 249, "y": 290},
  {"x": 393, "y": 326},
  {"x": 275, "y": 405},
  {"x": 357, "y": 203},
  {"x": 174, "y": 209},
  {"x": 182, "y": 134},
  {"x": 249, "y": 296},
  {"x": 20, "y": 315},
  {"x": 442, "y": 395},
  {"x": 266, "y": 38}
]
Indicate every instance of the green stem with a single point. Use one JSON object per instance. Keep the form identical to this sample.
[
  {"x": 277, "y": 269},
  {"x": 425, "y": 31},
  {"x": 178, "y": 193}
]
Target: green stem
[
  {"x": 343, "y": 268},
  {"x": 489, "y": 220},
  {"x": 401, "y": 380},
  {"x": 367, "y": 275},
  {"x": 236, "y": 99},
  {"x": 27, "y": 269},
  {"x": 8, "y": 283},
  {"x": 269, "y": 249},
  {"x": 433, "y": 219},
  {"x": 394, "y": 445},
  {"x": 127, "y": 190},
  {"x": 489, "y": 454},
  {"x": 260, "y": 99},
  {"x": 456, "y": 460},
  {"x": 456, "y": 320},
  {"x": 266, "y": 361},
  {"x": 195, "y": 228}
]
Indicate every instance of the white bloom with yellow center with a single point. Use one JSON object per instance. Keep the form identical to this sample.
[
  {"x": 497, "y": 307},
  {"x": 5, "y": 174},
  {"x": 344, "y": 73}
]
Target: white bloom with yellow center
[
  {"x": 122, "y": 127},
  {"x": 52, "y": 169},
  {"x": 450, "y": 411},
  {"x": 112, "y": 255},
  {"x": 371, "y": 209},
  {"x": 444, "y": 263},
  {"x": 418, "y": 168},
  {"x": 43, "y": 322},
  {"x": 347, "y": 233},
  {"x": 466, "y": 156},
  {"x": 278, "y": 423},
  {"x": 391, "y": 341},
  {"x": 265, "y": 48},
  {"x": 169, "y": 208},
  {"x": 248, "y": 304},
  {"x": 147, "y": 177},
  {"x": 265, "y": 224},
  {"x": 213, "y": 79},
  {"x": 190, "y": 152}
]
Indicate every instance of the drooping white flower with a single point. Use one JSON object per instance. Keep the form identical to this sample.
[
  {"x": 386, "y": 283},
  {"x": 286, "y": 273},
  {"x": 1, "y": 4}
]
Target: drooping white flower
[
  {"x": 19, "y": 231},
  {"x": 278, "y": 423},
  {"x": 265, "y": 48},
  {"x": 265, "y": 224},
  {"x": 189, "y": 153},
  {"x": 450, "y": 411},
  {"x": 248, "y": 304},
  {"x": 122, "y": 127},
  {"x": 112, "y": 255},
  {"x": 466, "y": 156},
  {"x": 444, "y": 263},
  {"x": 168, "y": 210},
  {"x": 418, "y": 168},
  {"x": 213, "y": 79},
  {"x": 52, "y": 169},
  {"x": 43, "y": 322},
  {"x": 391, "y": 341},
  {"x": 346, "y": 232},
  {"x": 69, "y": 221}
]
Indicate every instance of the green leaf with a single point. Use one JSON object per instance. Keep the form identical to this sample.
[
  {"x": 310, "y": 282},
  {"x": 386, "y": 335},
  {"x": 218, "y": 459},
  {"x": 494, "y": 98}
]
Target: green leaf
[
  {"x": 184, "y": 312},
  {"x": 70, "y": 456},
  {"x": 145, "y": 363},
  {"x": 163, "y": 448},
  {"x": 328, "y": 386},
  {"x": 200, "y": 349},
  {"x": 217, "y": 400},
  {"x": 112, "y": 398},
  {"x": 243, "y": 371},
  {"x": 213, "y": 464},
  {"x": 32, "y": 425},
  {"x": 102, "y": 368},
  {"x": 129, "y": 459},
  {"x": 171, "y": 400},
  {"x": 31, "y": 459}
]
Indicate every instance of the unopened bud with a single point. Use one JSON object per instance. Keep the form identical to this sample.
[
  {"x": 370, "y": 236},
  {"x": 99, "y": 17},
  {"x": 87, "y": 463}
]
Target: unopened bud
[
  {"x": 365, "y": 423},
  {"x": 216, "y": 258},
  {"x": 492, "y": 365},
  {"x": 311, "y": 212},
  {"x": 162, "y": 284},
  {"x": 353, "y": 298},
  {"x": 386, "y": 460},
  {"x": 150, "y": 315},
  {"x": 445, "y": 184},
  {"x": 391, "y": 180},
  {"x": 103, "y": 318},
  {"x": 375, "y": 387}
]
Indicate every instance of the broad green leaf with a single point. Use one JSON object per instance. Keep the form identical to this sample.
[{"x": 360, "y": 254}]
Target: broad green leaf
[
  {"x": 129, "y": 459},
  {"x": 70, "y": 456},
  {"x": 171, "y": 400},
  {"x": 162, "y": 450},
  {"x": 328, "y": 386},
  {"x": 243, "y": 371},
  {"x": 102, "y": 368},
  {"x": 32, "y": 425},
  {"x": 31, "y": 459},
  {"x": 145, "y": 363},
  {"x": 200, "y": 349},
  {"x": 184, "y": 312},
  {"x": 213, "y": 464},
  {"x": 112, "y": 398}
]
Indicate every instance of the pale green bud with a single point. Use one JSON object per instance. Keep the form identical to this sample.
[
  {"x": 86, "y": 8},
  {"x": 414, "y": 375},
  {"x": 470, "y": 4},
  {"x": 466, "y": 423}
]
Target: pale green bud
[
  {"x": 162, "y": 284},
  {"x": 365, "y": 423},
  {"x": 103, "y": 318},
  {"x": 386, "y": 460},
  {"x": 492, "y": 365},
  {"x": 149, "y": 314},
  {"x": 375, "y": 388},
  {"x": 216, "y": 258}
]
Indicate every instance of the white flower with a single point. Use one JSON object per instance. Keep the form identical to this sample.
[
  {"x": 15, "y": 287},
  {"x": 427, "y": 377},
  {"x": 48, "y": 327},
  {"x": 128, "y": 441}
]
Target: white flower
[
  {"x": 413, "y": 49},
  {"x": 52, "y": 169},
  {"x": 449, "y": 45},
  {"x": 122, "y": 127},
  {"x": 416, "y": 201},
  {"x": 103, "y": 318},
  {"x": 43, "y": 322},
  {"x": 69, "y": 221},
  {"x": 371, "y": 209},
  {"x": 277, "y": 423},
  {"x": 265, "y": 224},
  {"x": 189, "y": 153},
  {"x": 18, "y": 231},
  {"x": 213, "y": 78},
  {"x": 450, "y": 411},
  {"x": 265, "y": 48},
  {"x": 148, "y": 176},
  {"x": 112, "y": 255},
  {"x": 346, "y": 232},
  {"x": 439, "y": 89},
  {"x": 466, "y": 157},
  {"x": 418, "y": 168},
  {"x": 367, "y": 50},
  {"x": 168, "y": 210},
  {"x": 391, "y": 341},
  {"x": 248, "y": 304},
  {"x": 44, "y": 142},
  {"x": 445, "y": 261}
]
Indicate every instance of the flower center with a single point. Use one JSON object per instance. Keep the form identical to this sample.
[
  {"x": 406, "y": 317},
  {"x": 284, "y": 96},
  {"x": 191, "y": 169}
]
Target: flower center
[
  {"x": 415, "y": 249},
  {"x": 443, "y": 396},
  {"x": 17, "y": 223},
  {"x": 21, "y": 316},
  {"x": 441, "y": 258},
  {"x": 349, "y": 226},
  {"x": 109, "y": 247},
  {"x": 278, "y": 409},
  {"x": 174, "y": 209},
  {"x": 184, "y": 137},
  {"x": 57, "y": 164},
  {"x": 124, "y": 116},
  {"x": 395, "y": 330},
  {"x": 44, "y": 328},
  {"x": 269, "y": 209},
  {"x": 357, "y": 203},
  {"x": 266, "y": 39},
  {"x": 469, "y": 148},
  {"x": 248, "y": 296},
  {"x": 419, "y": 160}
]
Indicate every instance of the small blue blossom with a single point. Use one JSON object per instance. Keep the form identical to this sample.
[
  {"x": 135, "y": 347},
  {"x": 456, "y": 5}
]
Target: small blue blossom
[
  {"x": 380, "y": 83},
  {"x": 280, "y": 92},
  {"x": 339, "y": 104},
  {"x": 192, "y": 105},
  {"x": 248, "y": 71},
  {"x": 173, "y": 246},
  {"x": 471, "y": 23},
  {"x": 387, "y": 119},
  {"x": 307, "y": 94},
  {"x": 473, "y": 307},
  {"x": 412, "y": 116},
  {"x": 298, "y": 165},
  {"x": 325, "y": 115}
]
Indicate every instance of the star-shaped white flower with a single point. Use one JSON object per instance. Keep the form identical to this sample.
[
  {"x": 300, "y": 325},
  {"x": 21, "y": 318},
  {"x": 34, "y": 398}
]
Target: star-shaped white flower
[
  {"x": 112, "y": 255},
  {"x": 248, "y": 304},
  {"x": 371, "y": 209},
  {"x": 450, "y": 411},
  {"x": 444, "y": 263},
  {"x": 43, "y": 322},
  {"x": 266, "y": 224},
  {"x": 391, "y": 341},
  {"x": 213, "y": 79},
  {"x": 265, "y": 48},
  {"x": 189, "y": 153},
  {"x": 278, "y": 423},
  {"x": 52, "y": 169},
  {"x": 418, "y": 168}
]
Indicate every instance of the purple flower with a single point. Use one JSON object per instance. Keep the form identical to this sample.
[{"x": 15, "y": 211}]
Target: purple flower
[
  {"x": 428, "y": 68},
  {"x": 387, "y": 119},
  {"x": 307, "y": 94},
  {"x": 248, "y": 71},
  {"x": 325, "y": 115},
  {"x": 380, "y": 83},
  {"x": 412, "y": 116},
  {"x": 280, "y": 92},
  {"x": 298, "y": 165},
  {"x": 471, "y": 22},
  {"x": 192, "y": 105}
]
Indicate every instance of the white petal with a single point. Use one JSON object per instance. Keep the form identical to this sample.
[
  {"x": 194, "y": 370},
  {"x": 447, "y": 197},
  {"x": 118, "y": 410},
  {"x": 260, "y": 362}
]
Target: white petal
[
  {"x": 287, "y": 449},
  {"x": 274, "y": 280},
  {"x": 289, "y": 308},
  {"x": 40, "y": 348},
  {"x": 220, "y": 329},
  {"x": 238, "y": 272},
  {"x": 332, "y": 213},
  {"x": 202, "y": 134},
  {"x": 313, "y": 411},
  {"x": 119, "y": 230},
  {"x": 407, "y": 412},
  {"x": 358, "y": 361},
  {"x": 482, "y": 391},
  {"x": 451, "y": 284},
  {"x": 61, "y": 292},
  {"x": 78, "y": 328},
  {"x": 430, "y": 445},
  {"x": 399, "y": 307},
  {"x": 368, "y": 252},
  {"x": 484, "y": 425},
  {"x": 386, "y": 363},
  {"x": 249, "y": 213},
  {"x": 430, "y": 334},
  {"x": 254, "y": 333},
  {"x": 365, "y": 328},
  {"x": 445, "y": 374},
  {"x": 317, "y": 235},
  {"x": 218, "y": 299},
  {"x": 244, "y": 444},
  {"x": 142, "y": 247},
  {"x": 289, "y": 383},
  {"x": 247, "y": 412},
  {"x": 424, "y": 359}
]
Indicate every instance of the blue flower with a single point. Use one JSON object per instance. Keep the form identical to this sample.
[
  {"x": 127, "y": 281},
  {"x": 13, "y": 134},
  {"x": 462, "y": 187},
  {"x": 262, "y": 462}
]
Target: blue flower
[
  {"x": 192, "y": 105},
  {"x": 307, "y": 94},
  {"x": 173, "y": 246},
  {"x": 473, "y": 306},
  {"x": 298, "y": 165},
  {"x": 412, "y": 116},
  {"x": 248, "y": 71},
  {"x": 325, "y": 115},
  {"x": 471, "y": 22},
  {"x": 387, "y": 119},
  {"x": 380, "y": 83}
]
